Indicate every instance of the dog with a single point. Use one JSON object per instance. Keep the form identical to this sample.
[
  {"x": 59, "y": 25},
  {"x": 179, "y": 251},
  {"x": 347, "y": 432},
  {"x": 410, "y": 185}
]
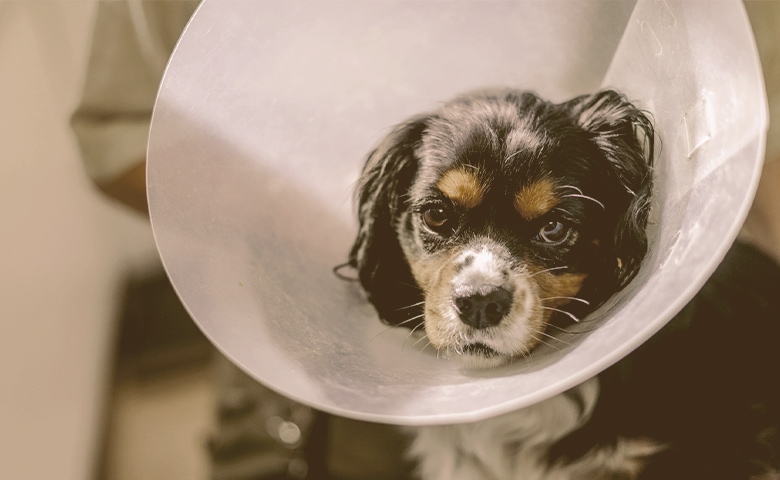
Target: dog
[
  {"x": 500, "y": 214},
  {"x": 500, "y": 210}
]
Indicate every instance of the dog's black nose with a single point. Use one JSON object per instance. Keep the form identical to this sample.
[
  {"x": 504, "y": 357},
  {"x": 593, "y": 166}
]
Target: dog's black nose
[{"x": 485, "y": 308}]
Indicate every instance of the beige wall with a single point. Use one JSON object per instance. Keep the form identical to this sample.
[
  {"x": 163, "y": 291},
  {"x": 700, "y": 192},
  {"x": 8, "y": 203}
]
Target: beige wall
[{"x": 63, "y": 250}]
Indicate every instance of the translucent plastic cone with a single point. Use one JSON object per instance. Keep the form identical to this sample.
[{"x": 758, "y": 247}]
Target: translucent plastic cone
[{"x": 268, "y": 110}]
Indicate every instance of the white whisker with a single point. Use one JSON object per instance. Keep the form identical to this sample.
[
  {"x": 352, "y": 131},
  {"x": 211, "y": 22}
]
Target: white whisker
[
  {"x": 522, "y": 353},
  {"x": 563, "y": 312},
  {"x": 555, "y": 338},
  {"x": 410, "y": 306},
  {"x": 416, "y": 317},
  {"x": 510, "y": 156},
  {"x": 580, "y": 194},
  {"x": 559, "y": 328},
  {"x": 420, "y": 340},
  {"x": 545, "y": 343},
  {"x": 576, "y": 189},
  {"x": 547, "y": 270},
  {"x": 391, "y": 327},
  {"x": 567, "y": 298},
  {"x": 426, "y": 346},
  {"x": 577, "y": 195},
  {"x": 409, "y": 335}
]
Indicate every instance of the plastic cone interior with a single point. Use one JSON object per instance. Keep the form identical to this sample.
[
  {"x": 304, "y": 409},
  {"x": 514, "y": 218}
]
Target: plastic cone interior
[{"x": 266, "y": 114}]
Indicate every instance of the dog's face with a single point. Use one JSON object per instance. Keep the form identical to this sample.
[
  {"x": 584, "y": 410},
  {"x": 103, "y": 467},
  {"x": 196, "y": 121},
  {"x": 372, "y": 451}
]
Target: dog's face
[{"x": 486, "y": 218}]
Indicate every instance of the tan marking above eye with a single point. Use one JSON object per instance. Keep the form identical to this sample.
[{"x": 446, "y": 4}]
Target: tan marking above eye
[
  {"x": 559, "y": 289},
  {"x": 536, "y": 199},
  {"x": 462, "y": 187}
]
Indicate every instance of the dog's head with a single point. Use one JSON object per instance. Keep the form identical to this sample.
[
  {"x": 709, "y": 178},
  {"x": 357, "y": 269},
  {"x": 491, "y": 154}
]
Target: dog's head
[{"x": 487, "y": 217}]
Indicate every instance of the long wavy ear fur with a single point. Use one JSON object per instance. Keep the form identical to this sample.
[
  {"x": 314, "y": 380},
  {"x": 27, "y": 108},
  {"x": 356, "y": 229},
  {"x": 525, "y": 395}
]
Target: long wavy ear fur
[
  {"x": 376, "y": 254},
  {"x": 625, "y": 136}
]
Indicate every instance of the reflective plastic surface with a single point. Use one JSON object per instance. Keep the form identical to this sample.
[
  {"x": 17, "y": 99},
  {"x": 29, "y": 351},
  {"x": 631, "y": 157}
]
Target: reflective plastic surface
[{"x": 268, "y": 109}]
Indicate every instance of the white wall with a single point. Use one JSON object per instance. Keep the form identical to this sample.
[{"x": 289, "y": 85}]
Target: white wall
[{"x": 63, "y": 250}]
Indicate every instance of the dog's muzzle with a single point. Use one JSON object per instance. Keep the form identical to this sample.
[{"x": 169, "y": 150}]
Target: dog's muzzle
[
  {"x": 486, "y": 307},
  {"x": 482, "y": 294}
]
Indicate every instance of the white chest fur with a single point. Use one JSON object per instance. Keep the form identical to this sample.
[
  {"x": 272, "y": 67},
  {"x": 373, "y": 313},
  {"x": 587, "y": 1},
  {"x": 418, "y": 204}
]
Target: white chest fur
[{"x": 514, "y": 446}]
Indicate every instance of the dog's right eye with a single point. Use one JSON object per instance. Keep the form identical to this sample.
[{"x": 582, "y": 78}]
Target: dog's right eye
[
  {"x": 436, "y": 218},
  {"x": 553, "y": 233}
]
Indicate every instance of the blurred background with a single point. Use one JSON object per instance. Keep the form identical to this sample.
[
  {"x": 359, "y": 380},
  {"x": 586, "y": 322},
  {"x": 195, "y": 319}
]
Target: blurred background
[
  {"x": 102, "y": 375},
  {"x": 77, "y": 399}
]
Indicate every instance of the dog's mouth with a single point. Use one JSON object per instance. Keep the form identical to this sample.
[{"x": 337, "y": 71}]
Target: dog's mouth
[
  {"x": 481, "y": 310},
  {"x": 478, "y": 355},
  {"x": 480, "y": 349},
  {"x": 485, "y": 306}
]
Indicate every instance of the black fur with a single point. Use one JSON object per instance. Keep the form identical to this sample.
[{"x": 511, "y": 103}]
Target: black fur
[
  {"x": 706, "y": 386},
  {"x": 382, "y": 268}
]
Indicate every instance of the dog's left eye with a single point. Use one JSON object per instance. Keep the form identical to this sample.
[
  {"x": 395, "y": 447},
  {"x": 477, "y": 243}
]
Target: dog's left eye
[
  {"x": 436, "y": 218},
  {"x": 552, "y": 232}
]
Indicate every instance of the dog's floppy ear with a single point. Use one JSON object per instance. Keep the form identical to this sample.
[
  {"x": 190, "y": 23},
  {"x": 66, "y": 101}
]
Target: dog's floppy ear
[
  {"x": 382, "y": 268},
  {"x": 625, "y": 136}
]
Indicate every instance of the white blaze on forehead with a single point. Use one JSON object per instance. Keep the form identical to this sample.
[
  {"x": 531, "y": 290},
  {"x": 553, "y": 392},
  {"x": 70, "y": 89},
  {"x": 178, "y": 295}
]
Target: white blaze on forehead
[{"x": 482, "y": 267}]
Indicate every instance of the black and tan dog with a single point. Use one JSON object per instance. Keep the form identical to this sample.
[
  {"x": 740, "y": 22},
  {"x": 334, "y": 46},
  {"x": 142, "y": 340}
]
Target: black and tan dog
[
  {"x": 488, "y": 216},
  {"x": 482, "y": 222}
]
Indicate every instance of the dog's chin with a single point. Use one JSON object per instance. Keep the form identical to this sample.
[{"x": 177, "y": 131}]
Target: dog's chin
[
  {"x": 482, "y": 348},
  {"x": 479, "y": 356}
]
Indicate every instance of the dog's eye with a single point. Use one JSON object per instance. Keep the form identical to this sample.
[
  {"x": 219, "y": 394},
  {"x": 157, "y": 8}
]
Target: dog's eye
[
  {"x": 436, "y": 218},
  {"x": 552, "y": 232}
]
